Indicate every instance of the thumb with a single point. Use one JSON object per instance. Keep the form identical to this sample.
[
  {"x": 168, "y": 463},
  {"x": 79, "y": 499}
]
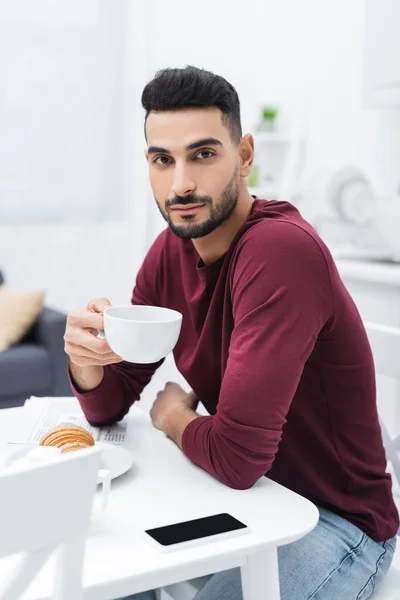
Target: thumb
[{"x": 98, "y": 305}]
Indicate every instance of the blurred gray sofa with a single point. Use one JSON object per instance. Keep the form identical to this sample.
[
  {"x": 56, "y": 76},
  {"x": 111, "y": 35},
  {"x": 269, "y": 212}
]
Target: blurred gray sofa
[{"x": 36, "y": 366}]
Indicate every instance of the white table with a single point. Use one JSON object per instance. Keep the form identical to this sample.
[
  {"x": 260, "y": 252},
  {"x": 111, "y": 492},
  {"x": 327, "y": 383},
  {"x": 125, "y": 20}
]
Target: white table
[{"x": 164, "y": 487}]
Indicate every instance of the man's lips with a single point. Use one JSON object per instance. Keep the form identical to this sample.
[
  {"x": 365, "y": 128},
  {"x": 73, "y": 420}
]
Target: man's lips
[{"x": 186, "y": 207}]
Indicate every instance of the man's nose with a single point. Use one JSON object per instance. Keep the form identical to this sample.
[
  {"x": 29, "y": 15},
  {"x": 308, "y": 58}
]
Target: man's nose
[{"x": 183, "y": 183}]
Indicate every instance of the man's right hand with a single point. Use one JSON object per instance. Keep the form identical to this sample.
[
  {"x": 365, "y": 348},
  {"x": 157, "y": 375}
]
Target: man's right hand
[{"x": 87, "y": 353}]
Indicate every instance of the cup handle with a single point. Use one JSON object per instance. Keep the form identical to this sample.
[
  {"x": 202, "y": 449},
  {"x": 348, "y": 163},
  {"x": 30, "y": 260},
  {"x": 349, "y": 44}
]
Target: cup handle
[
  {"x": 103, "y": 477},
  {"x": 101, "y": 334}
]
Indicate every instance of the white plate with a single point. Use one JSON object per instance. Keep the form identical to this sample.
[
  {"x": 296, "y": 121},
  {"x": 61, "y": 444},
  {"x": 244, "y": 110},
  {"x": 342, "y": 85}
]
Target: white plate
[{"x": 114, "y": 458}]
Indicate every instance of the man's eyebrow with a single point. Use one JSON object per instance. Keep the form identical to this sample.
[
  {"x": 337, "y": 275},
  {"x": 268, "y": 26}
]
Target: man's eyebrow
[
  {"x": 157, "y": 150},
  {"x": 210, "y": 141},
  {"x": 204, "y": 142}
]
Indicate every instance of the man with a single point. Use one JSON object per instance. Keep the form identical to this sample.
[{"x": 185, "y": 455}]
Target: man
[{"x": 271, "y": 344}]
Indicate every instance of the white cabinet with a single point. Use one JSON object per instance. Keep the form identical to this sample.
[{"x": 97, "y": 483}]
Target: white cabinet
[
  {"x": 375, "y": 288},
  {"x": 382, "y": 53}
]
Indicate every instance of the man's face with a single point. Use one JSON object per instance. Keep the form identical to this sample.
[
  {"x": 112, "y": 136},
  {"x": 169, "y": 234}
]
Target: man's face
[{"x": 194, "y": 169}]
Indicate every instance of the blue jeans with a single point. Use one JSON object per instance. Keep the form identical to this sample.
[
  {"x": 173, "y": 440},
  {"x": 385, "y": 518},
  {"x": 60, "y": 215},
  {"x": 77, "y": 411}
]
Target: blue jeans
[{"x": 335, "y": 560}]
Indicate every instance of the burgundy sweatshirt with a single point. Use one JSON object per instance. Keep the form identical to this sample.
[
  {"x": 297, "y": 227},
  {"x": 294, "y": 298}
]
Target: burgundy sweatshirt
[{"x": 274, "y": 347}]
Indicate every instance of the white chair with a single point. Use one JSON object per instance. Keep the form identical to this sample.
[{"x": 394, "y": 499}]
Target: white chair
[
  {"x": 46, "y": 509},
  {"x": 385, "y": 344}
]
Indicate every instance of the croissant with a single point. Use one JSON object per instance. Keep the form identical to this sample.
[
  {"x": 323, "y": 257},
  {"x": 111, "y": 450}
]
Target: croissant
[{"x": 68, "y": 437}]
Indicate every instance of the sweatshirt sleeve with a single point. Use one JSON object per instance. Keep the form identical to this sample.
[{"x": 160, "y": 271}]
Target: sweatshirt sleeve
[
  {"x": 123, "y": 383},
  {"x": 281, "y": 300}
]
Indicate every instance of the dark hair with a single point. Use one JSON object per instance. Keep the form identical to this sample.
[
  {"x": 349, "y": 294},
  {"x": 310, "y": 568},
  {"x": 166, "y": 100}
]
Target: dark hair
[{"x": 175, "y": 89}]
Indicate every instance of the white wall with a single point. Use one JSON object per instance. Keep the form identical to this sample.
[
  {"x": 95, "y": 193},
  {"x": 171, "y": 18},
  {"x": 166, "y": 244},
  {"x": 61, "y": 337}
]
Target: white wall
[
  {"x": 73, "y": 263},
  {"x": 71, "y": 126},
  {"x": 60, "y": 111}
]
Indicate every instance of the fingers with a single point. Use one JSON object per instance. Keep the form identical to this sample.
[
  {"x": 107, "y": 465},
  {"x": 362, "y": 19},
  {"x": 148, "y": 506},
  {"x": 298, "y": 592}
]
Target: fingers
[
  {"x": 83, "y": 361},
  {"x": 82, "y": 356},
  {"x": 98, "y": 305},
  {"x": 85, "y": 319},
  {"x": 91, "y": 317},
  {"x": 82, "y": 337},
  {"x": 86, "y": 353},
  {"x": 81, "y": 342}
]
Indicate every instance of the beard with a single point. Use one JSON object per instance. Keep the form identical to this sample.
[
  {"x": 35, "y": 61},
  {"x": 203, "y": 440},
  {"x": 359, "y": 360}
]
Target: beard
[{"x": 219, "y": 211}]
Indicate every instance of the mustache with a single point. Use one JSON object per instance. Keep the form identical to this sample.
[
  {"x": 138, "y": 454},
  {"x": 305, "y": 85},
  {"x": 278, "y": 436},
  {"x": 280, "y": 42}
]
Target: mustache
[{"x": 187, "y": 200}]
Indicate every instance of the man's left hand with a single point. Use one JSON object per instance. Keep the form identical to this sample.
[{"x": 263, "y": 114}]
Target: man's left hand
[{"x": 173, "y": 411}]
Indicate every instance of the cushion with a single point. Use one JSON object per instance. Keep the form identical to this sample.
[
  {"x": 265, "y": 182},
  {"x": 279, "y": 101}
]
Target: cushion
[
  {"x": 18, "y": 312},
  {"x": 25, "y": 369}
]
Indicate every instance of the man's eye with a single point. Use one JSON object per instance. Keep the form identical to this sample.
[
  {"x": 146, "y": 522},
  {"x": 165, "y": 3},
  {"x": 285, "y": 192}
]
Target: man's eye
[
  {"x": 162, "y": 160},
  {"x": 205, "y": 154}
]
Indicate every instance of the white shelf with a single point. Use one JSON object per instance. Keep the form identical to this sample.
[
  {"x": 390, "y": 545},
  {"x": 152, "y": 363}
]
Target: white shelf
[{"x": 382, "y": 53}]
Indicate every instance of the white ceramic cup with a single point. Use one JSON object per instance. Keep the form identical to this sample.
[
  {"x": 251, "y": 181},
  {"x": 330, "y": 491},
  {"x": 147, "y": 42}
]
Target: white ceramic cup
[
  {"x": 141, "y": 334},
  {"x": 103, "y": 478},
  {"x": 27, "y": 458}
]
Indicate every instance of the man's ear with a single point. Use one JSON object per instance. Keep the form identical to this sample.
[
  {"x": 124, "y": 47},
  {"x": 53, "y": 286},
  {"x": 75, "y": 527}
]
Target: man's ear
[
  {"x": 146, "y": 154},
  {"x": 246, "y": 151}
]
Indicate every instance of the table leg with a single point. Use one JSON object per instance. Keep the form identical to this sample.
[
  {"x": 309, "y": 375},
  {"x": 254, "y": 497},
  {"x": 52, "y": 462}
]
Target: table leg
[
  {"x": 260, "y": 576},
  {"x": 68, "y": 581}
]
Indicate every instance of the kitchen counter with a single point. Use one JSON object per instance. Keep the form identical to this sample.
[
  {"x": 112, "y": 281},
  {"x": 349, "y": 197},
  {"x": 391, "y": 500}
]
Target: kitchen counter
[{"x": 369, "y": 271}]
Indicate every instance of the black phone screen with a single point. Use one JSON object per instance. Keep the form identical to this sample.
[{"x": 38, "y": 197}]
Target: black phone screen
[{"x": 196, "y": 529}]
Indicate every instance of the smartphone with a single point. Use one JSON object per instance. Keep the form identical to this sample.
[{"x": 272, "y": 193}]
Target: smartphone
[{"x": 196, "y": 529}]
